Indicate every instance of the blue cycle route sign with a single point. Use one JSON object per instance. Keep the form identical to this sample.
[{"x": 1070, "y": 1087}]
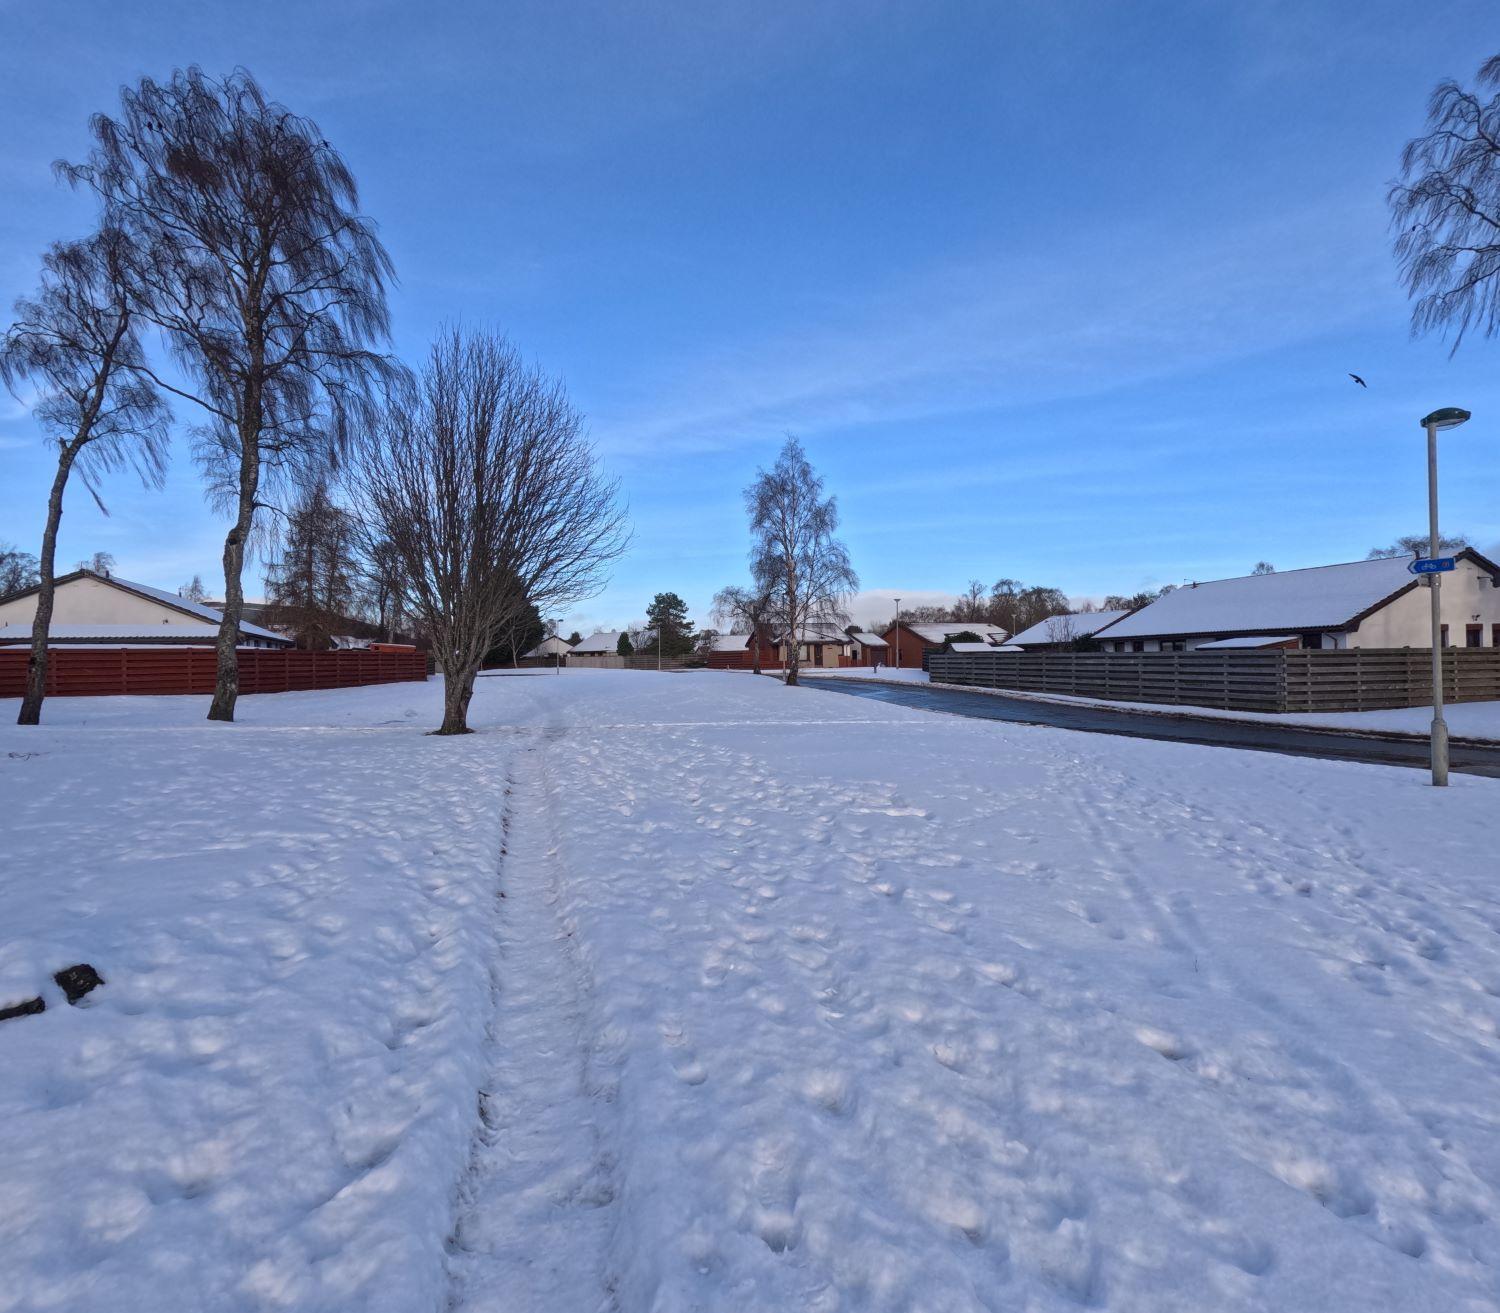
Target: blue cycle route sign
[{"x": 1432, "y": 565}]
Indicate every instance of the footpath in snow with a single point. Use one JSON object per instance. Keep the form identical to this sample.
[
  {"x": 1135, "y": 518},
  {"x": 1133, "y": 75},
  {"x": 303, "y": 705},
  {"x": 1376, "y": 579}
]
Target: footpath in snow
[{"x": 694, "y": 992}]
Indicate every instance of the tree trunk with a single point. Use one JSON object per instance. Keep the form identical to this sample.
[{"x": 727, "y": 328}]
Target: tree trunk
[
  {"x": 227, "y": 680},
  {"x": 458, "y": 691},
  {"x": 36, "y": 666}
]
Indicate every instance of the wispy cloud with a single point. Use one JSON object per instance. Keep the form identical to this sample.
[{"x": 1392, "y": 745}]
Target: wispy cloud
[{"x": 1020, "y": 330}]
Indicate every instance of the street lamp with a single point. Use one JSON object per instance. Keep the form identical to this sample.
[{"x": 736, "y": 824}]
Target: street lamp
[
  {"x": 896, "y": 629},
  {"x": 1450, "y": 417}
]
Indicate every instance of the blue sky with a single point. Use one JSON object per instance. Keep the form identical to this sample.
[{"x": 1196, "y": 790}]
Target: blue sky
[{"x": 1066, "y": 292}]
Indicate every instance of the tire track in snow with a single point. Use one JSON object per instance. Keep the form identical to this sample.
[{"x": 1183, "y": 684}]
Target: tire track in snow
[{"x": 534, "y": 1211}]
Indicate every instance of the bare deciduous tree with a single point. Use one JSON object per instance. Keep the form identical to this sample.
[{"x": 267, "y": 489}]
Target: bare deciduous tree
[
  {"x": 1446, "y": 211},
  {"x": 265, "y": 280},
  {"x": 479, "y": 477},
  {"x": 384, "y": 583},
  {"x": 796, "y": 559},
  {"x": 77, "y": 342},
  {"x": 745, "y": 606},
  {"x": 1417, "y": 544},
  {"x": 18, "y": 569},
  {"x": 973, "y": 603}
]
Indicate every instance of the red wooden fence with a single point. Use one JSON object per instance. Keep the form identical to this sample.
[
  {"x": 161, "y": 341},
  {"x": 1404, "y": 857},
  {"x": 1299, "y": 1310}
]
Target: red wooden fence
[{"x": 102, "y": 671}]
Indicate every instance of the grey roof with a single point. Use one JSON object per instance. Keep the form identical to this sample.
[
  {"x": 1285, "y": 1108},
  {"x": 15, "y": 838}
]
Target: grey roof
[{"x": 191, "y": 635}]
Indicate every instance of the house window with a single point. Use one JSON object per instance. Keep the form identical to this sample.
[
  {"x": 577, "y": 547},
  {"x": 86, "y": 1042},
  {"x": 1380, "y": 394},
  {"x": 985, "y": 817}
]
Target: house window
[
  {"x": 1138, "y": 646},
  {"x": 1176, "y": 645},
  {"x": 1473, "y": 635},
  {"x": 1443, "y": 635},
  {"x": 1495, "y": 635}
]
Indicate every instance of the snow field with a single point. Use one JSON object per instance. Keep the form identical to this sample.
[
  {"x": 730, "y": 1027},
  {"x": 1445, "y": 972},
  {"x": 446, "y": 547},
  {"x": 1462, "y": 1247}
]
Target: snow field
[
  {"x": 683, "y": 992},
  {"x": 268, "y": 1103}
]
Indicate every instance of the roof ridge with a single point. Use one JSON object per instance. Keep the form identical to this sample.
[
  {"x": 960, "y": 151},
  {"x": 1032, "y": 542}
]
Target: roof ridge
[{"x": 1296, "y": 569}]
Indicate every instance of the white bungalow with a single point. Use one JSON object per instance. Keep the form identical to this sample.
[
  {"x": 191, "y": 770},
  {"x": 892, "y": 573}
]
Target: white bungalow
[
  {"x": 93, "y": 609},
  {"x": 1375, "y": 603}
]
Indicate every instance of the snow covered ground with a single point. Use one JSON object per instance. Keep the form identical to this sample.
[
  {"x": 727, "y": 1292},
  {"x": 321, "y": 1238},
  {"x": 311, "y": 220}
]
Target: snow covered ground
[
  {"x": 905, "y": 675},
  {"x": 688, "y": 992}
]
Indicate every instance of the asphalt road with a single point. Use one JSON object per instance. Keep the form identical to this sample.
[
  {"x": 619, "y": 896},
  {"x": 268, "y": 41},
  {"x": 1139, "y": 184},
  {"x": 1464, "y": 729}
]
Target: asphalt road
[{"x": 1257, "y": 736}]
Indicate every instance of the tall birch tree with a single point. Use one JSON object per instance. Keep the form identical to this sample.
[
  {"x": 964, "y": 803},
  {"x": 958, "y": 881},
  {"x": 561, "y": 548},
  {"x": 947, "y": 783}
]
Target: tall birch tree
[
  {"x": 795, "y": 558},
  {"x": 76, "y": 342},
  {"x": 264, "y": 279}
]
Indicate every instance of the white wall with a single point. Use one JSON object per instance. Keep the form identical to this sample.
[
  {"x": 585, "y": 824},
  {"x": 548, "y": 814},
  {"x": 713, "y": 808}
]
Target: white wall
[
  {"x": 88, "y": 601},
  {"x": 1467, "y": 598}
]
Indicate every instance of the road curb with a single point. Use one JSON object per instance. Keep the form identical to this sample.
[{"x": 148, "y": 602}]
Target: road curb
[{"x": 1134, "y": 709}]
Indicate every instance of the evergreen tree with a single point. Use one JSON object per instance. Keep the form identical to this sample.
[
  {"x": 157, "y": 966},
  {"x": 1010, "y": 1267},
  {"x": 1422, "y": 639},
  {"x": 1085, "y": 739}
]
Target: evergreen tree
[
  {"x": 313, "y": 584},
  {"x": 667, "y": 616},
  {"x": 623, "y": 647}
]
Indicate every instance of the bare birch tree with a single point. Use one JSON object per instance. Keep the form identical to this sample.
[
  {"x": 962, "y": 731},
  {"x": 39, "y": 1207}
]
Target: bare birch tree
[
  {"x": 745, "y": 606},
  {"x": 480, "y": 479},
  {"x": 266, "y": 282},
  {"x": 76, "y": 341},
  {"x": 1446, "y": 211},
  {"x": 796, "y": 559}
]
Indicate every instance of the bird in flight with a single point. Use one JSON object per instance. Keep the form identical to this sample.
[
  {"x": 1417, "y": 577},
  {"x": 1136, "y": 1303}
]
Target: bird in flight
[{"x": 1359, "y": 380}]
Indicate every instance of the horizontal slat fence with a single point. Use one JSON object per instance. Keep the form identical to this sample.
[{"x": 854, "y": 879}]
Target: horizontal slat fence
[
  {"x": 106, "y": 671},
  {"x": 637, "y": 662},
  {"x": 1356, "y": 679}
]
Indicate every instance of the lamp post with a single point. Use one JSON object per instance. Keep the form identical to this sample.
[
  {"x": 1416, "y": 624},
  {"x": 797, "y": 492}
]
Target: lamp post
[
  {"x": 896, "y": 629},
  {"x": 1450, "y": 417}
]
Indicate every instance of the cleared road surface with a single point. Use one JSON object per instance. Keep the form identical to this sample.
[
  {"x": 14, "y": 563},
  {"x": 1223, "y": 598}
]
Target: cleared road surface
[{"x": 1258, "y": 736}]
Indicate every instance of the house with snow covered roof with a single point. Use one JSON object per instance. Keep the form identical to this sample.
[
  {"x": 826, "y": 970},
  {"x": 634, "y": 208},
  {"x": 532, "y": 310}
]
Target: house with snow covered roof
[
  {"x": 551, "y": 648},
  {"x": 1376, "y": 603},
  {"x": 818, "y": 644},
  {"x": 906, "y": 644},
  {"x": 865, "y": 648},
  {"x": 604, "y": 643},
  {"x": 92, "y": 609},
  {"x": 1061, "y": 631}
]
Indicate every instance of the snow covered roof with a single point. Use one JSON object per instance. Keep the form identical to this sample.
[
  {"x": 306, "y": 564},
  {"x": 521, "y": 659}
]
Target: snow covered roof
[
  {"x": 161, "y": 595},
  {"x": 1247, "y": 640},
  {"x": 167, "y": 633},
  {"x": 731, "y": 642},
  {"x": 605, "y": 642},
  {"x": 552, "y": 645},
  {"x": 182, "y": 604},
  {"x": 940, "y": 633},
  {"x": 1321, "y": 597},
  {"x": 975, "y": 647},
  {"x": 1060, "y": 628},
  {"x": 820, "y": 633},
  {"x": 867, "y": 639}
]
